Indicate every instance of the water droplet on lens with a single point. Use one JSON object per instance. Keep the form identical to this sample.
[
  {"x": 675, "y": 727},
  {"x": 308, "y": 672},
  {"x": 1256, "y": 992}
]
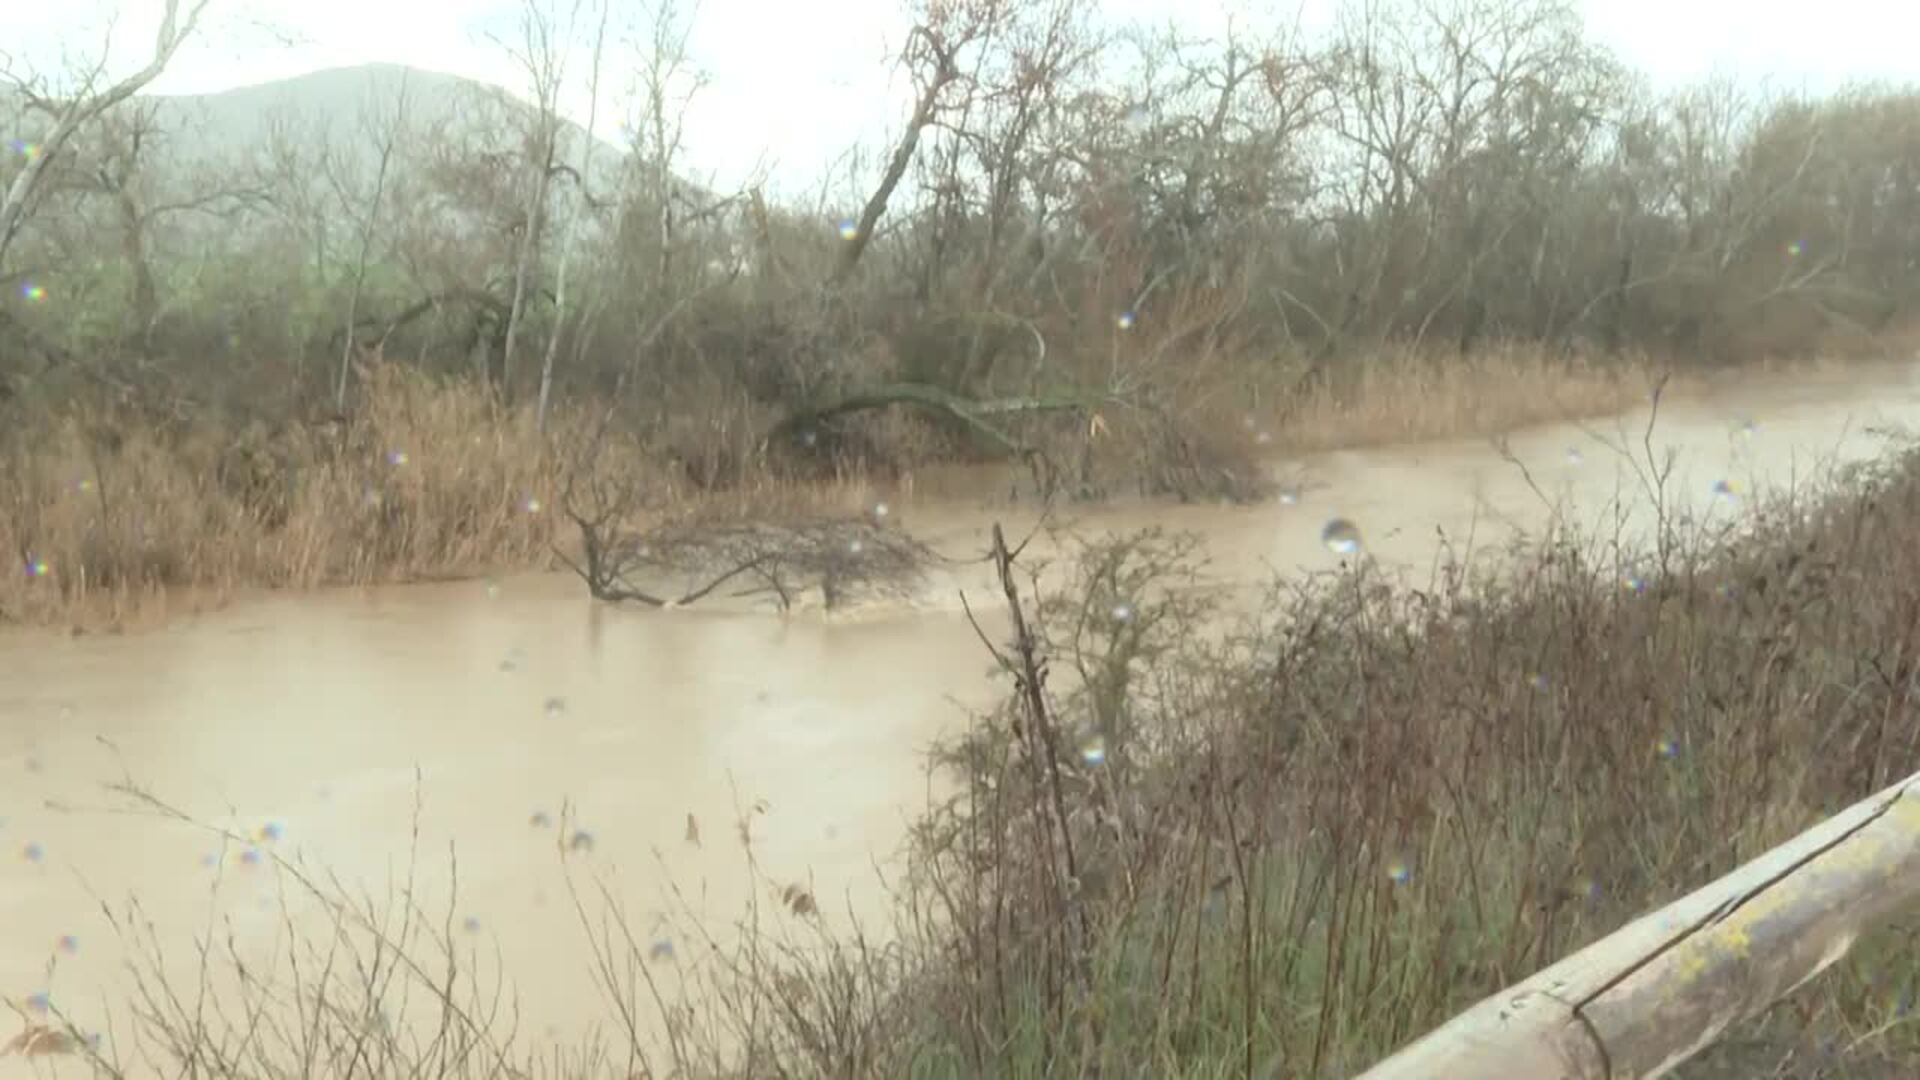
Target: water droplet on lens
[
  {"x": 397, "y": 457},
  {"x": 1723, "y": 489},
  {"x": 1538, "y": 681},
  {"x": 1123, "y": 613},
  {"x": 1094, "y": 750},
  {"x": 250, "y": 857},
  {"x": 270, "y": 832},
  {"x": 856, "y": 547},
  {"x": 880, "y": 510},
  {"x": 849, "y": 229},
  {"x": 1288, "y": 496},
  {"x": 1667, "y": 748},
  {"x": 1341, "y": 536},
  {"x": 1124, "y": 320},
  {"x": 1399, "y": 872}
]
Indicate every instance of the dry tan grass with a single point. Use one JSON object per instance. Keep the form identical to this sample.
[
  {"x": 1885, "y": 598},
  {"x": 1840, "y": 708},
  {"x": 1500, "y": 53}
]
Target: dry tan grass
[
  {"x": 105, "y": 511},
  {"x": 1401, "y": 394}
]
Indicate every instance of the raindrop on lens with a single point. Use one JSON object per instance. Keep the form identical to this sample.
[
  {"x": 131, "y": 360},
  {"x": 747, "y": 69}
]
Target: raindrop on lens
[
  {"x": 849, "y": 228},
  {"x": 1094, "y": 751},
  {"x": 881, "y": 511},
  {"x": 1723, "y": 489},
  {"x": 1667, "y": 748},
  {"x": 1124, "y": 320},
  {"x": 1123, "y": 613},
  {"x": 1399, "y": 872},
  {"x": 1341, "y": 537},
  {"x": 396, "y": 457},
  {"x": 856, "y": 547}
]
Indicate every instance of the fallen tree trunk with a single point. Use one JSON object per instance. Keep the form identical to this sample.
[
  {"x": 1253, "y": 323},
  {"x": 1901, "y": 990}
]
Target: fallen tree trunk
[
  {"x": 1644, "y": 1000},
  {"x": 976, "y": 415}
]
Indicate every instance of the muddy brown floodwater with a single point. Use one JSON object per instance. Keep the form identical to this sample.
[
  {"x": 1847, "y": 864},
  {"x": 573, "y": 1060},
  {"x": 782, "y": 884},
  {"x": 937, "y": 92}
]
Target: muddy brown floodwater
[{"x": 336, "y": 721}]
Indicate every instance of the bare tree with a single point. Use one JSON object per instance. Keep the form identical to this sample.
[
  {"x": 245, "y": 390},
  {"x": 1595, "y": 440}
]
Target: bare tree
[
  {"x": 582, "y": 180},
  {"x": 73, "y": 111},
  {"x": 541, "y": 53},
  {"x": 384, "y": 133}
]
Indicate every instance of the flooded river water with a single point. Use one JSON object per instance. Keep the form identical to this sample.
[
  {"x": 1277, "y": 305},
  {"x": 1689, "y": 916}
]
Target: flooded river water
[{"x": 327, "y": 725}]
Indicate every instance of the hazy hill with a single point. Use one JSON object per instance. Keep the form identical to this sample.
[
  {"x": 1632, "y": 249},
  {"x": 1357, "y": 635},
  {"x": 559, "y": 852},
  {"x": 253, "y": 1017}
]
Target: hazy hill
[
  {"x": 343, "y": 108},
  {"x": 343, "y": 105}
]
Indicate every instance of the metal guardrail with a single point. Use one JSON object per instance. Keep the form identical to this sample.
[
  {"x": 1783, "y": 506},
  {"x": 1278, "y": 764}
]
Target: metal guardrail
[{"x": 1663, "y": 988}]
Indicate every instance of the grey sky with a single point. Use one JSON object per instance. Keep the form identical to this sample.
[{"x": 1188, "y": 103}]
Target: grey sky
[{"x": 795, "y": 83}]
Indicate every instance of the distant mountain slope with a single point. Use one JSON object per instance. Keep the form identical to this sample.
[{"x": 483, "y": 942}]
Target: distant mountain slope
[{"x": 338, "y": 104}]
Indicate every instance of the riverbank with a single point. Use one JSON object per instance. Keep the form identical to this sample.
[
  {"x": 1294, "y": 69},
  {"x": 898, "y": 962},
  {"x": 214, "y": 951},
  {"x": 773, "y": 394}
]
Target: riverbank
[{"x": 117, "y": 520}]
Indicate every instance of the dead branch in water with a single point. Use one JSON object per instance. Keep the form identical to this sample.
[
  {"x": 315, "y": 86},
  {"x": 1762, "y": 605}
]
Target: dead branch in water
[{"x": 840, "y": 556}]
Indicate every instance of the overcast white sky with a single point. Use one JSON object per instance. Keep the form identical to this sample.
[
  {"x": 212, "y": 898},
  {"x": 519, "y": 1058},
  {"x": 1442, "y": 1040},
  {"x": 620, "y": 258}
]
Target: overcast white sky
[{"x": 795, "y": 82}]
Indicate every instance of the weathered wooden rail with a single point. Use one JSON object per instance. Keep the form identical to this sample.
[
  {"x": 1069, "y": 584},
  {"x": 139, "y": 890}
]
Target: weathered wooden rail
[{"x": 1640, "y": 1002}]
